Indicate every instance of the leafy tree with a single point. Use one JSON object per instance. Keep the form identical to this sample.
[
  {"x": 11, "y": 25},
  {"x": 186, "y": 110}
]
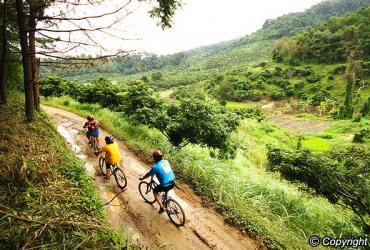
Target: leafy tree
[
  {"x": 284, "y": 50},
  {"x": 191, "y": 91},
  {"x": 366, "y": 108},
  {"x": 200, "y": 122},
  {"x": 157, "y": 75},
  {"x": 138, "y": 102},
  {"x": 225, "y": 92},
  {"x": 342, "y": 175},
  {"x": 145, "y": 79},
  {"x": 362, "y": 136},
  {"x": 318, "y": 98},
  {"x": 206, "y": 123},
  {"x": 31, "y": 12},
  {"x": 52, "y": 86},
  {"x": 177, "y": 59},
  {"x": 347, "y": 109}
]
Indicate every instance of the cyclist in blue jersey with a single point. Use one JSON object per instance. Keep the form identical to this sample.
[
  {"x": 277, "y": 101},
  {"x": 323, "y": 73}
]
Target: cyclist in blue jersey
[{"x": 163, "y": 171}]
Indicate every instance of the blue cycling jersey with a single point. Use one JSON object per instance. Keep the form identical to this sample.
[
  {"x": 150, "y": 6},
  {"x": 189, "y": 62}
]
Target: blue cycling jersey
[{"x": 164, "y": 173}]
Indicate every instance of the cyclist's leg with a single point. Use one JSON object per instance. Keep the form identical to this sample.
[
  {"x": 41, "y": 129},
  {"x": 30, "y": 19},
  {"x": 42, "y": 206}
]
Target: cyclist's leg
[
  {"x": 157, "y": 197},
  {"x": 88, "y": 136},
  {"x": 97, "y": 137},
  {"x": 107, "y": 176}
]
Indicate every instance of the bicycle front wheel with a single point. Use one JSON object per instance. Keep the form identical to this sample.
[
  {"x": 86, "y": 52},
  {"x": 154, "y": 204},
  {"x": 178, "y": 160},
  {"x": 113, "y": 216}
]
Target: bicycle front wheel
[
  {"x": 120, "y": 177},
  {"x": 175, "y": 212},
  {"x": 103, "y": 165},
  {"x": 146, "y": 192}
]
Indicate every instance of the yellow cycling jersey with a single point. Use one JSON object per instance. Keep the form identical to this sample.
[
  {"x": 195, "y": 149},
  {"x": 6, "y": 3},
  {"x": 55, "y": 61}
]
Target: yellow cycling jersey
[{"x": 113, "y": 153}]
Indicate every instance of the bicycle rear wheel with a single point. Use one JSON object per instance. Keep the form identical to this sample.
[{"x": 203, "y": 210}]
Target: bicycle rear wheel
[
  {"x": 175, "y": 212},
  {"x": 146, "y": 192},
  {"x": 95, "y": 145},
  {"x": 120, "y": 177},
  {"x": 103, "y": 165}
]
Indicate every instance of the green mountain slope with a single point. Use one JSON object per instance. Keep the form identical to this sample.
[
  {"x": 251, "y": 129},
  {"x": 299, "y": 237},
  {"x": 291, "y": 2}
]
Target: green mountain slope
[
  {"x": 244, "y": 68},
  {"x": 250, "y": 49}
]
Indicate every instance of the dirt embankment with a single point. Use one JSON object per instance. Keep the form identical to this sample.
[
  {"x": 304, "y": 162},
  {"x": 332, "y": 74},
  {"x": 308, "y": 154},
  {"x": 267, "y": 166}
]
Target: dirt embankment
[
  {"x": 287, "y": 121},
  {"x": 204, "y": 228},
  {"x": 302, "y": 125}
]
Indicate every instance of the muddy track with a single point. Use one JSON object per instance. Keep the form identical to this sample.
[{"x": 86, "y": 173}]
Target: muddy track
[{"x": 204, "y": 227}]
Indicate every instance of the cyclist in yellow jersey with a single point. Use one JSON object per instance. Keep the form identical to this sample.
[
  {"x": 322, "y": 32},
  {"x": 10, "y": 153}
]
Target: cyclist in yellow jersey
[{"x": 112, "y": 151}]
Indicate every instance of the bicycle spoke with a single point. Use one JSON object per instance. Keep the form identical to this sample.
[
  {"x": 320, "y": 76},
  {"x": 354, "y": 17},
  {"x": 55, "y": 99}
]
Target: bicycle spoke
[
  {"x": 102, "y": 165},
  {"x": 146, "y": 192},
  {"x": 120, "y": 178},
  {"x": 175, "y": 212}
]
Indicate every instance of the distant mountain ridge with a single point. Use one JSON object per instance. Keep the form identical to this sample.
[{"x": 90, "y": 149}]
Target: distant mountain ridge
[
  {"x": 247, "y": 50},
  {"x": 290, "y": 24}
]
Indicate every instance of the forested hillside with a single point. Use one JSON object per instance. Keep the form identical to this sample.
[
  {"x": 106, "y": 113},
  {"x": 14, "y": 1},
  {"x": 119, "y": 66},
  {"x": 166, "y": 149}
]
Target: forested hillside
[
  {"x": 328, "y": 43},
  {"x": 294, "y": 23},
  {"x": 312, "y": 66},
  {"x": 252, "y": 48}
]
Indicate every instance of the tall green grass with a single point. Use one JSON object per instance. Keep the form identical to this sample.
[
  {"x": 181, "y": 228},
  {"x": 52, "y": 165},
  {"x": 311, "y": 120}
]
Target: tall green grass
[
  {"x": 262, "y": 204},
  {"x": 47, "y": 198}
]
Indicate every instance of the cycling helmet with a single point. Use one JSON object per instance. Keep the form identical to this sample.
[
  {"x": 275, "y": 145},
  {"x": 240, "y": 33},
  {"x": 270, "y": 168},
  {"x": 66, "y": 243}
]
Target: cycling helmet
[
  {"x": 157, "y": 155},
  {"x": 90, "y": 117},
  {"x": 109, "y": 139}
]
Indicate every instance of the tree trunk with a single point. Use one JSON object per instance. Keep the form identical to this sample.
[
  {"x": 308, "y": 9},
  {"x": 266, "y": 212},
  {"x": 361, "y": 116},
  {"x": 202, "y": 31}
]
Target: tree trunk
[
  {"x": 4, "y": 58},
  {"x": 32, "y": 23},
  {"x": 28, "y": 88}
]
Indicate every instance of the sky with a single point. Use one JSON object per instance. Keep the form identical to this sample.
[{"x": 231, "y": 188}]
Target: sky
[
  {"x": 204, "y": 22},
  {"x": 198, "y": 23}
]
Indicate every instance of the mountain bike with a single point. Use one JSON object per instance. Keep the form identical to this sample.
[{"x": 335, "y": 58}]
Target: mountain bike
[
  {"x": 94, "y": 142},
  {"x": 119, "y": 175},
  {"x": 171, "y": 206}
]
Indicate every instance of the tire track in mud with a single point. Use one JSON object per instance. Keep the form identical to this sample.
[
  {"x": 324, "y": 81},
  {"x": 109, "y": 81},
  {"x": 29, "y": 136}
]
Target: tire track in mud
[{"x": 204, "y": 227}]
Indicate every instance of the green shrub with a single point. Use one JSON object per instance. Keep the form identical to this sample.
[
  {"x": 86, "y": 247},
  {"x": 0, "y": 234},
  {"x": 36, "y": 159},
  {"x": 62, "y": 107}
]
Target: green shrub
[
  {"x": 314, "y": 78},
  {"x": 339, "y": 70}
]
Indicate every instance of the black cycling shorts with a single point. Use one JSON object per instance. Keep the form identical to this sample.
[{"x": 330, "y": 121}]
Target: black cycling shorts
[{"x": 160, "y": 188}]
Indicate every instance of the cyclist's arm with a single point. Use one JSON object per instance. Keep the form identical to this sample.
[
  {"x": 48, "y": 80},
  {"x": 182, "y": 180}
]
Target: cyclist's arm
[
  {"x": 145, "y": 176},
  {"x": 100, "y": 151}
]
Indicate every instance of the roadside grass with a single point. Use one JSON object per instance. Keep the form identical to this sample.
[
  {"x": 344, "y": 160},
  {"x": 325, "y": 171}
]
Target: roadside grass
[
  {"x": 316, "y": 143},
  {"x": 48, "y": 200},
  {"x": 277, "y": 213},
  {"x": 238, "y": 105}
]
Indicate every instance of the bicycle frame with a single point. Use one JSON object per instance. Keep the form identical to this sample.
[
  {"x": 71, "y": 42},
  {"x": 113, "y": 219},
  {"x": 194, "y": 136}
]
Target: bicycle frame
[
  {"x": 94, "y": 141},
  {"x": 118, "y": 174},
  {"x": 173, "y": 209}
]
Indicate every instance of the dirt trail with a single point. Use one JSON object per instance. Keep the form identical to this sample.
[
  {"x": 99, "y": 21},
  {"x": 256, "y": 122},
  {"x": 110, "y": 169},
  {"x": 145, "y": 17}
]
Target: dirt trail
[{"x": 204, "y": 228}]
